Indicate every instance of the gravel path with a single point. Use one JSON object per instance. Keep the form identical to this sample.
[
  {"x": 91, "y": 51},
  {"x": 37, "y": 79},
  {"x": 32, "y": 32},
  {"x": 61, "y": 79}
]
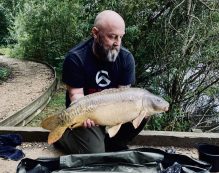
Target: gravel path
[
  {"x": 31, "y": 150},
  {"x": 27, "y": 82}
]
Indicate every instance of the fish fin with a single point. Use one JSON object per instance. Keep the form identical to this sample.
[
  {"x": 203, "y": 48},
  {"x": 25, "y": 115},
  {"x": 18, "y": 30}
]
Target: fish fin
[
  {"x": 56, "y": 134},
  {"x": 51, "y": 122},
  {"x": 78, "y": 121},
  {"x": 112, "y": 130},
  {"x": 137, "y": 121}
]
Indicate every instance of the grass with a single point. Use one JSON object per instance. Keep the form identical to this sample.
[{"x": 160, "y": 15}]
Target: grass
[
  {"x": 4, "y": 73},
  {"x": 5, "y": 50},
  {"x": 56, "y": 105},
  {"x": 4, "y": 70}
]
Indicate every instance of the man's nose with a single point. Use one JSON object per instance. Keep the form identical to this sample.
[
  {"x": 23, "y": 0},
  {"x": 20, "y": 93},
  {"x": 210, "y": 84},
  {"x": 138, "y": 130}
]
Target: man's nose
[{"x": 117, "y": 42}]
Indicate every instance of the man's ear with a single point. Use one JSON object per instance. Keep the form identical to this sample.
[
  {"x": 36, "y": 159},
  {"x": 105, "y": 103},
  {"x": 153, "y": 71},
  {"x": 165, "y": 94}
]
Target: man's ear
[{"x": 94, "y": 31}]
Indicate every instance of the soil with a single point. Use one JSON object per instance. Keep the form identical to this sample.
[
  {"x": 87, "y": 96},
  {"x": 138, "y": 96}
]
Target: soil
[
  {"x": 31, "y": 150},
  {"x": 28, "y": 80}
]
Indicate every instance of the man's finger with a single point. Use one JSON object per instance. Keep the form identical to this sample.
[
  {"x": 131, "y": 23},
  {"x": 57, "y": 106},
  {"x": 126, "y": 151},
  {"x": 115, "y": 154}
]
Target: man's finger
[
  {"x": 89, "y": 123},
  {"x": 85, "y": 124},
  {"x": 92, "y": 123}
]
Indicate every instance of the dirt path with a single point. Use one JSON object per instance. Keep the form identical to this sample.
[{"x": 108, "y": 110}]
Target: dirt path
[{"x": 27, "y": 82}]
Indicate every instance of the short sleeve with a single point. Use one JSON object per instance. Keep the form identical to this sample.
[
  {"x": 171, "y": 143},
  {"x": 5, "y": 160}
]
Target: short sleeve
[{"x": 72, "y": 73}]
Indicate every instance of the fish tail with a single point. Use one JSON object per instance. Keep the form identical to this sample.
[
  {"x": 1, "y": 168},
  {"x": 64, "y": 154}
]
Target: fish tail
[
  {"x": 56, "y": 127},
  {"x": 58, "y": 131},
  {"x": 56, "y": 134},
  {"x": 50, "y": 123}
]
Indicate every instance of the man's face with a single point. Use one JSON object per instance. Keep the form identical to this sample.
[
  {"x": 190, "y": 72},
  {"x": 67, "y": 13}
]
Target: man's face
[{"x": 108, "y": 43}]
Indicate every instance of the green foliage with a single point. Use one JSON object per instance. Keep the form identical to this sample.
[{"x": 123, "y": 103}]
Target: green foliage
[
  {"x": 4, "y": 50},
  {"x": 4, "y": 26},
  {"x": 46, "y": 30},
  {"x": 175, "y": 124},
  {"x": 181, "y": 58},
  {"x": 4, "y": 73},
  {"x": 175, "y": 44},
  {"x": 8, "y": 10},
  {"x": 177, "y": 121}
]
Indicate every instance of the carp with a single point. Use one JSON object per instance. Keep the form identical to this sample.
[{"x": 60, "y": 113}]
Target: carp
[{"x": 110, "y": 108}]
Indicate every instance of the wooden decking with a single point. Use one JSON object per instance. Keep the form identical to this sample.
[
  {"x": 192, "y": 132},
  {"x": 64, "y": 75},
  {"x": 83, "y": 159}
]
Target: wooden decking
[{"x": 150, "y": 138}]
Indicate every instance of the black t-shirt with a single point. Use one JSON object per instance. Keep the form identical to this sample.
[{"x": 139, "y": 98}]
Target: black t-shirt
[{"x": 81, "y": 69}]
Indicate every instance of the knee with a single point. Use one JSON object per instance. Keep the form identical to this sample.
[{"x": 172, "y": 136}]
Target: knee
[
  {"x": 83, "y": 141},
  {"x": 100, "y": 148}
]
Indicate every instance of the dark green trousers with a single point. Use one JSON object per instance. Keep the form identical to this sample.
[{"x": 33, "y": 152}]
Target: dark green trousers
[{"x": 94, "y": 140}]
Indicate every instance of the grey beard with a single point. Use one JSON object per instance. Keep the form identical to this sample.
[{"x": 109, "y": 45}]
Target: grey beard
[
  {"x": 104, "y": 54},
  {"x": 112, "y": 55}
]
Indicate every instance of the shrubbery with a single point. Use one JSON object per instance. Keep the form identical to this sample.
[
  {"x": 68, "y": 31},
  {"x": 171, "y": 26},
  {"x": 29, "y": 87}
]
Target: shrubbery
[
  {"x": 4, "y": 26},
  {"x": 4, "y": 73},
  {"x": 174, "y": 43}
]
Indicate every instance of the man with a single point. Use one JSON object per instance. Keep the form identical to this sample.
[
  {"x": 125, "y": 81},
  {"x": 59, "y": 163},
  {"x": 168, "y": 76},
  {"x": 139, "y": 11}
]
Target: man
[{"x": 96, "y": 64}]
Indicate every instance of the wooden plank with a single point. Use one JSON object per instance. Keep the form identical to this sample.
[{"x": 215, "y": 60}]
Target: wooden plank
[
  {"x": 34, "y": 114},
  {"x": 145, "y": 138},
  {"x": 29, "y": 134},
  {"x": 29, "y": 111},
  {"x": 177, "y": 139}
]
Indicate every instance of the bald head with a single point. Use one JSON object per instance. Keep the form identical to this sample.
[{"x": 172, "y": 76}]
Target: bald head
[
  {"x": 109, "y": 18},
  {"x": 108, "y": 30}
]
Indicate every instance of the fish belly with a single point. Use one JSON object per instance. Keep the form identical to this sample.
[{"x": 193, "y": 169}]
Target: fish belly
[{"x": 115, "y": 113}]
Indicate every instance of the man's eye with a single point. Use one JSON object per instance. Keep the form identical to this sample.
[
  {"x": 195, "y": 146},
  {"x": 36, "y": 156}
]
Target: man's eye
[
  {"x": 115, "y": 37},
  {"x": 112, "y": 36}
]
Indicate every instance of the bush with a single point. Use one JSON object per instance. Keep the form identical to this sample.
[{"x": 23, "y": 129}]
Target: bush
[
  {"x": 45, "y": 31},
  {"x": 4, "y": 26},
  {"x": 4, "y": 73}
]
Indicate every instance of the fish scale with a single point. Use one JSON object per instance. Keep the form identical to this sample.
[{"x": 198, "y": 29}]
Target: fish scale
[{"x": 110, "y": 107}]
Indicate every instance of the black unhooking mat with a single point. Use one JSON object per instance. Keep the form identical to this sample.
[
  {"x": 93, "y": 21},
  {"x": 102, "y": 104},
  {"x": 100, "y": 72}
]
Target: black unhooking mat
[{"x": 147, "y": 160}]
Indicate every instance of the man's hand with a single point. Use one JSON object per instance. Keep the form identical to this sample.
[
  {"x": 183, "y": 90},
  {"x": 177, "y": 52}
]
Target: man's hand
[
  {"x": 89, "y": 123},
  {"x": 74, "y": 94}
]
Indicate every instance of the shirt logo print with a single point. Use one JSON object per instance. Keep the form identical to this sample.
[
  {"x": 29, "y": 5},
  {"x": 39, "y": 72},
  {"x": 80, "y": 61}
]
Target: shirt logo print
[{"x": 102, "y": 78}]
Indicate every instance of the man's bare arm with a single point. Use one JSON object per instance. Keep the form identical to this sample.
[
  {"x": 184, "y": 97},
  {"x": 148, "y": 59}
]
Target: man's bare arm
[{"x": 74, "y": 94}]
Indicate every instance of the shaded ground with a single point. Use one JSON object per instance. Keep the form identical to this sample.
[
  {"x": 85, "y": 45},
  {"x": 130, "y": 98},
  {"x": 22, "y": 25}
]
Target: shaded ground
[{"x": 26, "y": 83}]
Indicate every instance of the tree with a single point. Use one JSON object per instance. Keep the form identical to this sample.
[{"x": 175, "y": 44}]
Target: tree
[
  {"x": 174, "y": 43},
  {"x": 4, "y": 26},
  {"x": 183, "y": 59}
]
